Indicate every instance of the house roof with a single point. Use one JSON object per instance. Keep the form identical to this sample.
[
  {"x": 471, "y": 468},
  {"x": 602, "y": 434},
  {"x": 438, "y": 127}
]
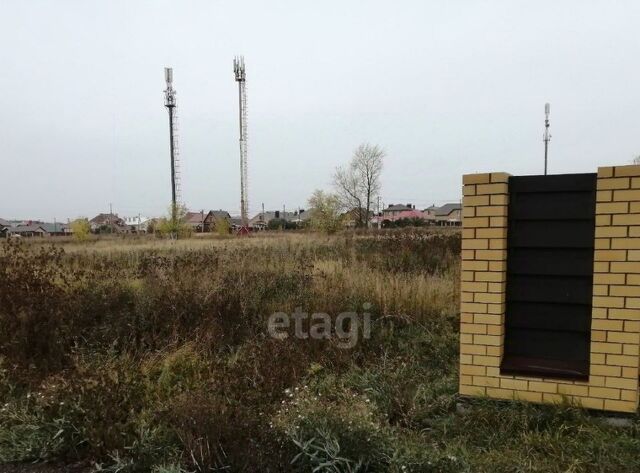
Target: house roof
[
  {"x": 101, "y": 219},
  {"x": 5, "y": 223},
  {"x": 271, "y": 214},
  {"x": 27, "y": 229},
  {"x": 397, "y": 207},
  {"x": 446, "y": 209},
  {"x": 53, "y": 227},
  {"x": 221, "y": 214},
  {"x": 195, "y": 217}
]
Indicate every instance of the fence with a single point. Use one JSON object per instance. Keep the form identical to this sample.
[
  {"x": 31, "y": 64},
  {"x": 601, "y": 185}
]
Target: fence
[{"x": 550, "y": 293}]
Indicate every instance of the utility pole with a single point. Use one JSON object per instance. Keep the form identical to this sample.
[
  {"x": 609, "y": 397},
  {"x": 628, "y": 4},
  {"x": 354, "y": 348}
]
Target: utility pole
[
  {"x": 547, "y": 136},
  {"x": 379, "y": 216},
  {"x": 202, "y": 218},
  {"x": 284, "y": 217},
  {"x": 111, "y": 217}
]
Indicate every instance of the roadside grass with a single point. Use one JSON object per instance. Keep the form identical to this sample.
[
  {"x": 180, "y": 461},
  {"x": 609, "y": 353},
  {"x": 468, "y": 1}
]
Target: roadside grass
[{"x": 154, "y": 356}]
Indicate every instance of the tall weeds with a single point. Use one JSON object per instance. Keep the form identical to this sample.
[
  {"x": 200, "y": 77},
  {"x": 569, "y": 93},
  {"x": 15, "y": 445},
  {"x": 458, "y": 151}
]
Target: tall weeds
[{"x": 155, "y": 356}]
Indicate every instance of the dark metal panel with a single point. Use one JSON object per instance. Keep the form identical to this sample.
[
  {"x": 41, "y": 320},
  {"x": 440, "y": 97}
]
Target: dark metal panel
[
  {"x": 573, "y": 346},
  {"x": 558, "y": 289},
  {"x": 551, "y": 234},
  {"x": 552, "y": 206},
  {"x": 546, "y": 316},
  {"x": 555, "y": 183},
  {"x": 551, "y": 261},
  {"x": 550, "y": 275}
]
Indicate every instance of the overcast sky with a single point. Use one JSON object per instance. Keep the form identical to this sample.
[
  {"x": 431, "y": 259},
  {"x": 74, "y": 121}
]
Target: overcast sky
[{"x": 446, "y": 87}]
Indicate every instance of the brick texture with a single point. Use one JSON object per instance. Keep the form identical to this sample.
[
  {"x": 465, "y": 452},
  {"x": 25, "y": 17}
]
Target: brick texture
[{"x": 615, "y": 331}]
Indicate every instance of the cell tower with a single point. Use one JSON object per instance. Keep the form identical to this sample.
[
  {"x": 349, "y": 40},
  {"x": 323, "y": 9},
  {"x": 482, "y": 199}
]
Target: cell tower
[
  {"x": 170, "y": 103},
  {"x": 546, "y": 137},
  {"x": 239, "y": 70}
]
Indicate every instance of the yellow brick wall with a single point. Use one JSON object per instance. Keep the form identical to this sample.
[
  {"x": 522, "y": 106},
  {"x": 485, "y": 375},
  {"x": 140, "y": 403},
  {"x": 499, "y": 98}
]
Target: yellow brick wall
[{"x": 615, "y": 331}]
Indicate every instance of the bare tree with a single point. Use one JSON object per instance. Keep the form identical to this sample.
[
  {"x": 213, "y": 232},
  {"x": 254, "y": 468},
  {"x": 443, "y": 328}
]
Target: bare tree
[
  {"x": 358, "y": 184},
  {"x": 349, "y": 191},
  {"x": 367, "y": 162},
  {"x": 636, "y": 160}
]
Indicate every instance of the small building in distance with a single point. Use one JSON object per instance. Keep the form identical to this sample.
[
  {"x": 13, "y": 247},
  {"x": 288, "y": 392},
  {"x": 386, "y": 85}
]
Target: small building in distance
[
  {"x": 206, "y": 221},
  {"x": 296, "y": 218},
  {"x": 55, "y": 229},
  {"x": 30, "y": 230},
  {"x": 104, "y": 223},
  {"x": 395, "y": 211},
  {"x": 446, "y": 215},
  {"x": 137, "y": 223},
  {"x": 350, "y": 218},
  {"x": 4, "y": 226}
]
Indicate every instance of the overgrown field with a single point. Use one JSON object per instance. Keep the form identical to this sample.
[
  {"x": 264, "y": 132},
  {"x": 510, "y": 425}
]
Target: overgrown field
[{"x": 156, "y": 356}]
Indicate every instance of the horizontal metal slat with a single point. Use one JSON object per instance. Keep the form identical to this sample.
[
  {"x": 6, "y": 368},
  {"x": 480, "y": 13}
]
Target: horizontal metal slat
[
  {"x": 551, "y": 234},
  {"x": 571, "y": 346},
  {"x": 553, "y": 183},
  {"x": 545, "y": 316},
  {"x": 551, "y": 261},
  {"x": 552, "y": 206}
]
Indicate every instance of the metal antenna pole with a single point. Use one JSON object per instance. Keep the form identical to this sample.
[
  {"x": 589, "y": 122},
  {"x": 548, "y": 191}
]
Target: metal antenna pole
[
  {"x": 170, "y": 103},
  {"x": 547, "y": 136},
  {"x": 240, "y": 74}
]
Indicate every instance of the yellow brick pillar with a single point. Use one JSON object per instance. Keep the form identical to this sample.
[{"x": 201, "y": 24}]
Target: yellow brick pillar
[
  {"x": 615, "y": 328},
  {"x": 484, "y": 257}
]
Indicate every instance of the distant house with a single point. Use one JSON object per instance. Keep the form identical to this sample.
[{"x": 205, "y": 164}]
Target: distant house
[
  {"x": 218, "y": 216},
  {"x": 203, "y": 222},
  {"x": 351, "y": 217},
  {"x": 106, "y": 222},
  {"x": 55, "y": 229},
  {"x": 446, "y": 215},
  {"x": 394, "y": 211},
  {"x": 261, "y": 220},
  {"x": 236, "y": 223},
  {"x": 137, "y": 224},
  {"x": 33, "y": 230},
  {"x": 302, "y": 217},
  {"x": 200, "y": 222},
  {"x": 4, "y": 226}
]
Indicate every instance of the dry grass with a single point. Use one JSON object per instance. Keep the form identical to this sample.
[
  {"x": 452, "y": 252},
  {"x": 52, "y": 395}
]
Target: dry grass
[{"x": 149, "y": 355}]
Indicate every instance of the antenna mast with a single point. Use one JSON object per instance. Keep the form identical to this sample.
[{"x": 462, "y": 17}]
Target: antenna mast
[
  {"x": 239, "y": 70},
  {"x": 170, "y": 103},
  {"x": 546, "y": 137}
]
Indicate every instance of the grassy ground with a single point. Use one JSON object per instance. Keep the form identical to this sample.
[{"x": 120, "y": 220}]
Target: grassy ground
[{"x": 144, "y": 355}]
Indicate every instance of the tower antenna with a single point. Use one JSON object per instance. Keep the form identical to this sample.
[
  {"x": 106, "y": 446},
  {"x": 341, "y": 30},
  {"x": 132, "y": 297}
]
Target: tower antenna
[
  {"x": 546, "y": 137},
  {"x": 240, "y": 73},
  {"x": 171, "y": 104}
]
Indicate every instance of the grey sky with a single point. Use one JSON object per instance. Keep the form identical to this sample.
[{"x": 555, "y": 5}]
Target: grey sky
[{"x": 447, "y": 87}]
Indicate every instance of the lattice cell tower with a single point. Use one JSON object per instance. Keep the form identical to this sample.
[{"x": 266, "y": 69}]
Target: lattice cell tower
[
  {"x": 170, "y": 103},
  {"x": 239, "y": 70}
]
